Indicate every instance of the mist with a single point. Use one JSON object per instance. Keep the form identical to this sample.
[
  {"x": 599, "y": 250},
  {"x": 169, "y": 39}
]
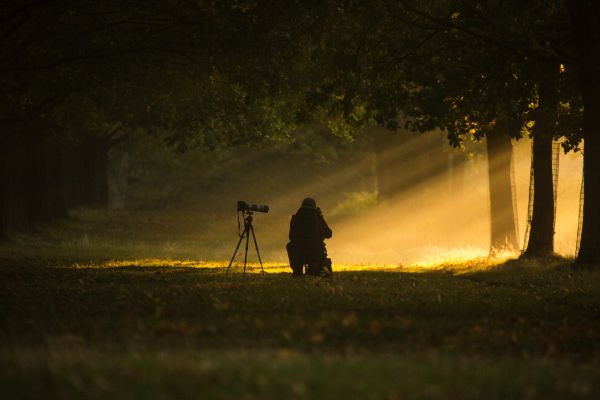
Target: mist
[
  {"x": 442, "y": 216},
  {"x": 426, "y": 225}
]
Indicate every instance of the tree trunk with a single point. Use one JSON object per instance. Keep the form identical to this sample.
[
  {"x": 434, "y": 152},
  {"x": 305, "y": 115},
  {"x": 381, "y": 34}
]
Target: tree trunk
[
  {"x": 17, "y": 168},
  {"x": 53, "y": 191},
  {"x": 3, "y": 184},
  {"x": 503, "y": 230},
  {"x": 29, "y": 180},
  {"x": 586, "y": 39},
  {"x": 589, "y": 249},
  {"x": 34, "y": 183},
  {"x": 18, "y": 200},
  {"x": 541, "y": 235}
]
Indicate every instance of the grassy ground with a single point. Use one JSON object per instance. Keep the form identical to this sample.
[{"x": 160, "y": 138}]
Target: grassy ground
[
  {"x": 167, "y": 329},
  {"x": 91, "y": 318}
]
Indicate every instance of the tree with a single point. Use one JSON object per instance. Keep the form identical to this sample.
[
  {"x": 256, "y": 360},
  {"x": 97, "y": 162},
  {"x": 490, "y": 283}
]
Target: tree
[
  {"x": 544, "y": 31},
  {"x": 457, "y": 91},
  {"x": 585, "y": 24},
  {"x": 499, "y": 74},
  {"x": 69, "y": 72},
  {"x": 541, "y": 237}
]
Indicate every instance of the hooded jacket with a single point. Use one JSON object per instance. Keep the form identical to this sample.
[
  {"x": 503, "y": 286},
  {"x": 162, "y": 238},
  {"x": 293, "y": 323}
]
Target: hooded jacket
[{"x": 308, "y": 227}]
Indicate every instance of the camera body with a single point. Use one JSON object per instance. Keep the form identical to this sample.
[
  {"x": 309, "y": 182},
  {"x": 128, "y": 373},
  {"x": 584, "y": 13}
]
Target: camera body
[{"x": 242, "y": 206}]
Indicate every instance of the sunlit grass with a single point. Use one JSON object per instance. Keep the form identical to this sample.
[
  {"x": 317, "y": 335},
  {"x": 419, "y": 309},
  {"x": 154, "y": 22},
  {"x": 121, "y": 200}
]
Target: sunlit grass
[
  {"x": 455, "y": 260},
  {"x": 462, "y": 259}
]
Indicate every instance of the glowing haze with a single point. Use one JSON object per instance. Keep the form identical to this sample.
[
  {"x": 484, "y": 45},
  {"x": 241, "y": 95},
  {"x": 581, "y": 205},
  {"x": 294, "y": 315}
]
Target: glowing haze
[
  {"x": 427, "y": 224},
  {"x": 441, "y": 217}
]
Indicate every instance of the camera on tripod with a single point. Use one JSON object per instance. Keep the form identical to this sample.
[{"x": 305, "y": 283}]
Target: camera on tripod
[
  {"x": 242, "y": 206},
  {"x": 245, "y": 213}
]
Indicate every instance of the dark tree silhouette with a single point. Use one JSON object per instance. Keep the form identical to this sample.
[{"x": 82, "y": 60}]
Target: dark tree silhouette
[
  {"x": 541, "y": 237},
  {"x": 585, "y": 22}
]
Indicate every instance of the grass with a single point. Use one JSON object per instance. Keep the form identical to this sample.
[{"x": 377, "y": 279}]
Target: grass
[
  {"x": 170, "y": 329},
  {"x": 102, "y": 319}
]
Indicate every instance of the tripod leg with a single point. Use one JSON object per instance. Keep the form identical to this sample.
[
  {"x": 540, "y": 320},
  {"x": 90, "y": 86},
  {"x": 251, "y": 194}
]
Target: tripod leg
[
  {"x": 256, "y": 246},
  {"x": 248, "y": 227},
  {"x": 234, "y": 253}
]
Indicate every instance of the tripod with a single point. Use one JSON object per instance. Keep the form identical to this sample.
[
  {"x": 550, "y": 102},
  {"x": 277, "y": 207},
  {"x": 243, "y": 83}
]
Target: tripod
[{"x": 248, "y": 229}]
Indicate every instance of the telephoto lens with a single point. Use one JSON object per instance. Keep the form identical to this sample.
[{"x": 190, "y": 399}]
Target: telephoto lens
[
  {"x": 259, "y": 208},
  {"x": 243, "y": 206}
]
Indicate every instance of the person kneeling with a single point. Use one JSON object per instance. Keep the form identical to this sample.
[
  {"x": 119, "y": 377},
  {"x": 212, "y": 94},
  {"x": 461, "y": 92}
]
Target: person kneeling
[{"x": 308, "y": 230}]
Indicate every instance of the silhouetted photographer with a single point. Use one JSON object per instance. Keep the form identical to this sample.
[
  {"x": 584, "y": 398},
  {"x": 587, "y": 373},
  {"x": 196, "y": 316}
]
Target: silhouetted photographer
[{"x": 306, "y": 248}]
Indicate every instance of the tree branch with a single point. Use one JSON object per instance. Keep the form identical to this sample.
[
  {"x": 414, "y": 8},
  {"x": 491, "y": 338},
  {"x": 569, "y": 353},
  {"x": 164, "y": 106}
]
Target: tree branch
[{"x": 511, "y": 48}]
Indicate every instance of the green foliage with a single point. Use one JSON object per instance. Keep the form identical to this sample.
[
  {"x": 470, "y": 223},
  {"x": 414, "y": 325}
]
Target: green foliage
[
  {"x": 214, "y": 74},
  {"x": 160, "y": 178},
  {"x": 460, "y": 67}
]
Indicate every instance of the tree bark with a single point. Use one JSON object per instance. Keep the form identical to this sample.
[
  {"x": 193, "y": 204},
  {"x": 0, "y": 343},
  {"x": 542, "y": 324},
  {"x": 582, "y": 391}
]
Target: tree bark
[
  {"x": 585, "y": 22},
  {"x": 541, "y": 235},
  {"x": 53, "y": 182},
  {"x": 589, "y": 248},
  {"x": 16, "y": 202},
  {"x": 503, "y": 230},
  {"x": 30, "y": 189},
  {"x": 3, "y": 184}
]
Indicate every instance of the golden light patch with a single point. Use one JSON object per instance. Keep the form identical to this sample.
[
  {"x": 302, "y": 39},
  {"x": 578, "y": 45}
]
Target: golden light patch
[{"x": 461, "y": 260}]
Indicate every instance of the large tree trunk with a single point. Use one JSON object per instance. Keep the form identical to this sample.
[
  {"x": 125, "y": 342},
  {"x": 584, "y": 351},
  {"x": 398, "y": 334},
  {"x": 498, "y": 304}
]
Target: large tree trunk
[
  {"x": 4, "y": 154},
  {"x": 43, "y": 183},
  {"x": 503, "y": 230},
  {"x": 17, "y": 168},
  {"x": 541, "y": 235},
  {"x": 589, "y": 249},
  {"x": 585, "y": 21},
  {"x": 29, "y": 180},
  {"x": 53, "y": 183}
]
